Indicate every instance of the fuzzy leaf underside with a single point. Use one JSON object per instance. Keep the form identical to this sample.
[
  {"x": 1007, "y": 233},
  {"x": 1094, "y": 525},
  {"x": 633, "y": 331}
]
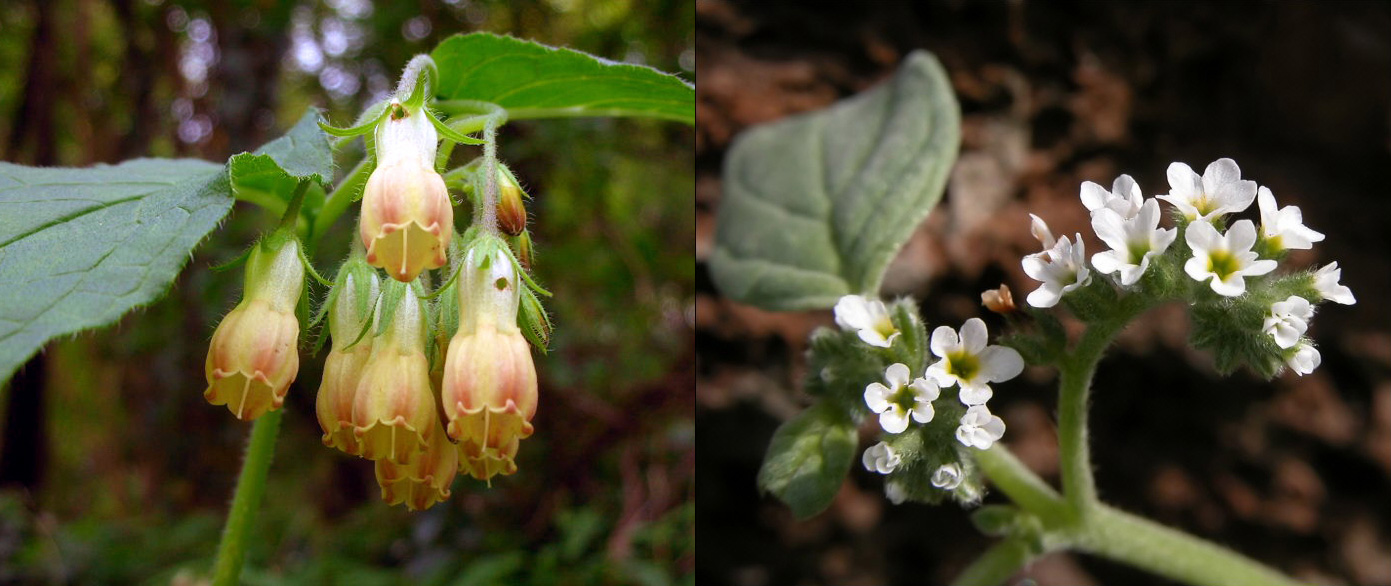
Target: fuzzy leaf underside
[{"x": 815, "y": 206}]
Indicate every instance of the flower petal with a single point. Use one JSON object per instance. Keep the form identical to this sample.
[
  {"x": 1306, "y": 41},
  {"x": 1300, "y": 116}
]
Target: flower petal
[
  {"x": 894, "y": 420},
  {"x": 1000, "y": 363},
  {"x": 897, "y": 375},
  {"x": 1241, "y": 237},
  {"x": 944, "y": 341},
  {"x": 1183, "y": 182},
  {"x": 975, "y": 394},
  {"x": 1202, "y": 237},
  {"x": 1218, "y": 173},
  {"x": 974, "y": 336},
  {"x": 877, "y": 397},
  {"x": 924, "y": 389}
]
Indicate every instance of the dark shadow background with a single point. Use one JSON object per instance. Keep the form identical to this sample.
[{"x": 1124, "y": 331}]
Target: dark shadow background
[
  {"x": 114, "y": 470},
  {"x": 1293, "y": 472}
]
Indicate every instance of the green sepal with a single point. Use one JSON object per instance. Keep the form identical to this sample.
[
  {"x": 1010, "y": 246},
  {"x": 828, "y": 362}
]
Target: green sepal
[
  {"x": 448, "y": 132},
  {"x": 910, "y": 348},
  {"x": 535, "y": 323},
  {"x": 839, "y": 366},
  {"x": 361, "y": 128},
  {"x": 808, "y": 459},
  {"x": 235, "y": 262}
]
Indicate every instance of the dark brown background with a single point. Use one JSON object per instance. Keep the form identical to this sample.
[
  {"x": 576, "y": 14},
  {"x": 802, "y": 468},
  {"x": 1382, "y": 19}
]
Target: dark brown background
[{"x": 1293, "y": 472}]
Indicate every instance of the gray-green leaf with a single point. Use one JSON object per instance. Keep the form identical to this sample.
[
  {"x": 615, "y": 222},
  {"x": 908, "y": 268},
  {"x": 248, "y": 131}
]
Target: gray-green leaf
[
  {"x": 532, "y": 80},
  {"x": 817, "y": 205},
  {"x": 808, "y": 459},
  {"x": 81, "y": 247}
]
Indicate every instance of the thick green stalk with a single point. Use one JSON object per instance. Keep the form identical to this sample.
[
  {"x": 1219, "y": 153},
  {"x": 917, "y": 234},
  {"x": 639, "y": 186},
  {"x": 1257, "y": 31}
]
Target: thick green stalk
[
  {"x": 1074, "y": 385},
  {"x": 341, "y": 198},
  {"x": 251, "y": 487},
  {"x": 1021, "y": 485}
]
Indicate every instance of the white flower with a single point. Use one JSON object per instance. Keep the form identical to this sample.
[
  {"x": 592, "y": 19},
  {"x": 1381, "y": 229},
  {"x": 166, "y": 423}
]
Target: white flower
[
  {"x": 1219, "y": 191},
  {"x": 1124, "y": 197},
  {"x": 895, "y": 492},
  {"x": 1134, "y": 241},
  {"x": 1226, "y": 259},
  {"x": 979, "y": 429},
  {"x": 968, "y": 362},
  {"x": 1283, "y": 228},
  {"x": 947, "y": 477},
  {"x": 1326, "y": 281},
  {"x": 900, "y": 400},
  {"x": 1061, "y": 267},
  {"x": 881, "y": 458},
  {"x": 869, "y": 316},
  {"x": 1288, "y": 320},
  {"x": 1304, "y": 360}
]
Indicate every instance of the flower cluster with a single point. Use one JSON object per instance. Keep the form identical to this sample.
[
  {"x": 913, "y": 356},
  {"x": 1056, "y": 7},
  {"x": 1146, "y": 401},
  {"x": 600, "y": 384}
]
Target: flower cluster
[
  {"x": 907, "y": 406},
  {"x": 1227, "y": 256},
  {"x": 427, "y": 381}
]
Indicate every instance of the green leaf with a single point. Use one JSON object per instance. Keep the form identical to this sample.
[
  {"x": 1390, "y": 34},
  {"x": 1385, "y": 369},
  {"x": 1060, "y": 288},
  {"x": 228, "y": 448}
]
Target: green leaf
[
  {"x": 81, "y": 247},
  {"x": 817, "y": 205},
  {"x": 808, "y": 458},
  {"x": 532, "y": 80},
  {"x": 268, "y": 175}
]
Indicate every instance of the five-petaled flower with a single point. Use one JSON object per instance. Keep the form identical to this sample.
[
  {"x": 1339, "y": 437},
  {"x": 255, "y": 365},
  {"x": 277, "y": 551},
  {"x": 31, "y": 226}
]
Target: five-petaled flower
[
  {"x": 901, "y": 399},
  {"x": 869, "y": 317},
  {"x": 1227, "y": 259},
  {"x": 1304, "y": 359},
  {"x": 881, "y": 458},
  {"x": 1326, "y": 282},
  {"x": 967, "y": 361},
  {"x": 1134, "y": 241},
  {"x": 979, "y": 428},
  {"x": 1288, "y": 320},
  {"x": 1220, "y": 190},
  {"x": 1124, "y": 197},
  {"x": 1061, "y": 267},
  {"x": 1283, "y": 228}
]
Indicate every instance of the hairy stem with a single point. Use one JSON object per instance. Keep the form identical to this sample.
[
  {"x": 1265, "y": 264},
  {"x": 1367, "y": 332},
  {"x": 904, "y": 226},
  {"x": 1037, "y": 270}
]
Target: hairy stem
[
  {"x": 341, "y": 198},
  {"x": 1021, "y": 485},
  {"x": 251, "y": 486}
]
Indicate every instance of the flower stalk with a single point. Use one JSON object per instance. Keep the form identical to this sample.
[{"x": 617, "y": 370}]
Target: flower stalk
[{"x": 251, "y": 488}]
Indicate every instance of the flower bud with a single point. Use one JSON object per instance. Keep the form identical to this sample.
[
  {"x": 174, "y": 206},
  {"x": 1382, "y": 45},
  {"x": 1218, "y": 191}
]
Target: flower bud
[
  {"x": 511, "y": 212},
  {"x": 407, "y": 216},
  {"x": 489, "y": 387},
  {"x": 252, "y": 358},
  {"x": 1000, "y": 300},
  {"x": 394, "y": 407},
  {"x": 343, "y": 367},
  {"x": 423, "y": 481}
]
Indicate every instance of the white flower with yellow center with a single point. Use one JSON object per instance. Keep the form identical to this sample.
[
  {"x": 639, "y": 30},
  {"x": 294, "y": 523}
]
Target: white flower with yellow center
[
  {"x": 1288, "y": 320},
  {"x": 1220, "y": 190},
  {"x": 1124, "y": 198},
  {"x": 967, "y": 361},
  {"x": 1226, "y": 259},
  {"x": 1134, "y": 241},
  {"x": 881, "y": 458},
  {"x": 1304, "y": 359},
  {"x": 901, "y": 399},
  {"x": 1326, "y": 282},
  {"x": 869, "y": 317},
  {"x": 1283, "y": 228},
  {"x": 1061, "y": 267},
  {"x": 979, "y": 428}
]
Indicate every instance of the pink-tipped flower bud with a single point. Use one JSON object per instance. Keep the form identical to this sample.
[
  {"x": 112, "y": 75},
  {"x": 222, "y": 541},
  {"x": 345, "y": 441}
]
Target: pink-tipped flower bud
[
  {"x": 407, "y": 216},
  {"x": 489, "y": 387},
  {"x": 252, "y": 359},
  {"x": 423, "y": 481},
  {"x": 394, "y": 413},
  {"x": 511, "y": 212},
  {"x": 343, "y": 367}
]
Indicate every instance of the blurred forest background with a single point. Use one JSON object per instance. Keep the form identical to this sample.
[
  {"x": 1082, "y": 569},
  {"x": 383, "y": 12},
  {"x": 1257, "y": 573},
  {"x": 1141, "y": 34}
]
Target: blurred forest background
[
  {"x": 1293, "y": 472},
  {"x": 114, "y": 470}
]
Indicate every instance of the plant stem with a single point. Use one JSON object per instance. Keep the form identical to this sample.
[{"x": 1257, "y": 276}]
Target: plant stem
[
  {"x": 1021, "y": 485},
  {"x": 251, "y": 486},
  {"x": 341, "y": 198},
  {"x": 997, "y": 564},
  {"x": 1142, "y": 543}
]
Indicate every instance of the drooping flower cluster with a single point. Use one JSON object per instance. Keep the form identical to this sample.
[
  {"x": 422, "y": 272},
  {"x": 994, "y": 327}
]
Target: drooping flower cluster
[
  {"x": 1225, "y": 256},
  {"x": 427, "y": 377},
  {"x": 907, "y": 407}
]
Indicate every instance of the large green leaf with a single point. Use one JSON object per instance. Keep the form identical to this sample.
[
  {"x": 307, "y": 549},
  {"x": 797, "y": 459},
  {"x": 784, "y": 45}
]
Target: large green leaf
[
  {"x": 815, "y": 206},
  {"x": 533, "y": 80},
  {"x": 81, "y": 247},
  {"x": 808, "y": 459}
]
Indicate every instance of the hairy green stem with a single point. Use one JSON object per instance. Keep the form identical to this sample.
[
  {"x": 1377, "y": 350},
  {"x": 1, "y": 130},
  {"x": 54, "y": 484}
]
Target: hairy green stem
[
  {"x": 251, "y": 487},
  {"x": 1021, "y": 485},
  {"x": 341, "y": 198}
]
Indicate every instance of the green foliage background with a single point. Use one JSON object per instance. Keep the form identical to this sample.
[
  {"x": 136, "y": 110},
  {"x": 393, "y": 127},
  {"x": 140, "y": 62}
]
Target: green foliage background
[{"x": 131, "y": 471}]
